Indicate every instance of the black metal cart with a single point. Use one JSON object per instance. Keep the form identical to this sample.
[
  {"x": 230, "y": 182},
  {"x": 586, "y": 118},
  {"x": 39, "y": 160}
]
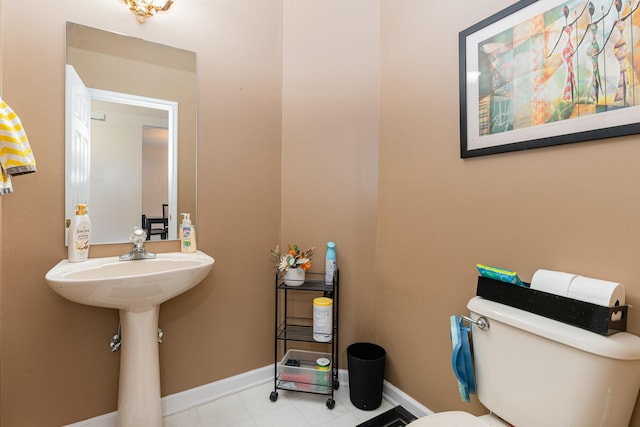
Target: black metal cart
[{"x": 294, "y": 369}]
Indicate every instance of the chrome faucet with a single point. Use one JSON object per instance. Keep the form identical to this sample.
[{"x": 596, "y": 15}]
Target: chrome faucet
[{"x": 137, "y": 236}]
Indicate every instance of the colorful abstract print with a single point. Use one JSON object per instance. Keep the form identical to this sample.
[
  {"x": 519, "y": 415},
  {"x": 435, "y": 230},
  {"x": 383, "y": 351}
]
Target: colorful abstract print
[{"x": 576, "y": 59}]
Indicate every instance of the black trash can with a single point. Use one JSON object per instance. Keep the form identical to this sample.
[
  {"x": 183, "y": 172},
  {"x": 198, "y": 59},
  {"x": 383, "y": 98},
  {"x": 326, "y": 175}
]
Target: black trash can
[{"x": 366, "y": 374}]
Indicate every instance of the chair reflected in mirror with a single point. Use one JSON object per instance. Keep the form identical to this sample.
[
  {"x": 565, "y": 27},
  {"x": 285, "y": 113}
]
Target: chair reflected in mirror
[{"x": 157, "y": 226}]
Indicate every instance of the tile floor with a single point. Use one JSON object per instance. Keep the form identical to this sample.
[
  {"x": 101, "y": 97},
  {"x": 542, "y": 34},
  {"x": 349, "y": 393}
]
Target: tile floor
[{"x": 252, "y": 408}]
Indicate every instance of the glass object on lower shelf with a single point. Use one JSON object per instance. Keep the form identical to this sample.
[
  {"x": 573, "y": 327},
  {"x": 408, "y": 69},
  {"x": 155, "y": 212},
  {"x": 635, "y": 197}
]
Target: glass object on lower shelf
[{"x": 298, "y": 371}]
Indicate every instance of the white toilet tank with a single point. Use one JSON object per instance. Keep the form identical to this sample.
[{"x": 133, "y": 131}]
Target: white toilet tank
[{"x": 533, "y": 371}]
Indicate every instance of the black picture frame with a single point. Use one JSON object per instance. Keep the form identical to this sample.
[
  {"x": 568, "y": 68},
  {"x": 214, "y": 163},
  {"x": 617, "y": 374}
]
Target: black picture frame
[{"x": 531, "y": 77}]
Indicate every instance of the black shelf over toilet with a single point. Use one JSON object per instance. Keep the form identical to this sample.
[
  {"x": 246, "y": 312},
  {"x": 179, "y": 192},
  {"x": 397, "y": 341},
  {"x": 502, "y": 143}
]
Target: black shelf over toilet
[{"x": 592, "y": 317}]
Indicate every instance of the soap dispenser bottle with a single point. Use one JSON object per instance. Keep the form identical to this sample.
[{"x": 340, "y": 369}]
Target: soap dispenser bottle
[
  {"x": 79, "y": 233},
  {"x": 187, "y": 234}
]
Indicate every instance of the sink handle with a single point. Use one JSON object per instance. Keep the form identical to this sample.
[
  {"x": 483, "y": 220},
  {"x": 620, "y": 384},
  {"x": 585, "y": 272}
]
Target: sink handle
[{"x": 137, "y": 235}]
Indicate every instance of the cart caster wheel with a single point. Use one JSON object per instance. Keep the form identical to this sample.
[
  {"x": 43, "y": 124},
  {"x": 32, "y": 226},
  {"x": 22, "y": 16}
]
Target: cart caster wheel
[
  {"x": 331, "y": 403},
  {"x": 336, "y": 384},
  {"x": 273, "y": 396}
]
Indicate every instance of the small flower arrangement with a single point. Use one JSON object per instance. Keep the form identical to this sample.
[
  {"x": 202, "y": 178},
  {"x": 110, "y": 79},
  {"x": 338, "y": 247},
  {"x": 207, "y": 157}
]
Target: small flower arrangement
[{"x": 293, "y": 258}]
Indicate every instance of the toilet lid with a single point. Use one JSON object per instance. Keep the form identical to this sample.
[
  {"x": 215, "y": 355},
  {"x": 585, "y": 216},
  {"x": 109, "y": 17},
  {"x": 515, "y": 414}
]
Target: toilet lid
[{"x": 449, "y": 419}]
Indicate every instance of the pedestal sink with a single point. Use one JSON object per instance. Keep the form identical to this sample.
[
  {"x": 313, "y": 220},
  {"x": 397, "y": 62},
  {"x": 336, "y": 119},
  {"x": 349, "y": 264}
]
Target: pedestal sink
[{"x": 136, "y": 288}]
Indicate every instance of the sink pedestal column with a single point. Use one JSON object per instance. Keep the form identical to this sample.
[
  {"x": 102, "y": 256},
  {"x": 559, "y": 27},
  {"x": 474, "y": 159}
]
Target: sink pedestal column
[{"x": 139, "y": 389}]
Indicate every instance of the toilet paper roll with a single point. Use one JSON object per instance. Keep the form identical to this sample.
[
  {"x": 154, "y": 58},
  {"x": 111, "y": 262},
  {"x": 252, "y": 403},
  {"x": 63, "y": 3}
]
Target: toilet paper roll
[
  {"x": 596, "y": 291},
  {"x": 553, "y": 282}
]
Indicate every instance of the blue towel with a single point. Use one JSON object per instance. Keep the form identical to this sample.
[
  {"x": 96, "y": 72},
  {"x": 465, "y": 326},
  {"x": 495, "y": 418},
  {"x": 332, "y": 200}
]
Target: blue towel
[{"x": 461, "y": 358}]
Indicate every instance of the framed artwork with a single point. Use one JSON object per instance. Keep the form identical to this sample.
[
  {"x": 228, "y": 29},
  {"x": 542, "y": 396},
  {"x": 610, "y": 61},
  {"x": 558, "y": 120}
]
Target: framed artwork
[{"x": 548, "y": 72}]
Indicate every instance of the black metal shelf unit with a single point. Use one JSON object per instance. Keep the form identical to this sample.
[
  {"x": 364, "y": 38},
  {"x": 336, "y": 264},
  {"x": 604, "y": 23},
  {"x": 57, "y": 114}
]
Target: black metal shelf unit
[{"x": 295, "y": 370}]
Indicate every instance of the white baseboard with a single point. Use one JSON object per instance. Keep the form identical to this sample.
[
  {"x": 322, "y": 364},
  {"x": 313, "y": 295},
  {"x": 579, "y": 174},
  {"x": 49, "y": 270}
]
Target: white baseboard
[
  {"x": 178, "y": 402},
  {"x": 184, "y": 400},
  {"x": 106, "y": 420},
  {"x": 394, "y": 395}
]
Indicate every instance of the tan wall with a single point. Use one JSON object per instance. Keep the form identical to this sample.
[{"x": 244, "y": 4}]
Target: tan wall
[
  {"x": 330, "y": 146},
  {"x": 56, "y": 364},
  {"x": 571, "y": 208}
]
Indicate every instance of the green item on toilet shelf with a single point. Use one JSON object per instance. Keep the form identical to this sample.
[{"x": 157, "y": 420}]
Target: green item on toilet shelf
[{"x": 500, "y": 274}]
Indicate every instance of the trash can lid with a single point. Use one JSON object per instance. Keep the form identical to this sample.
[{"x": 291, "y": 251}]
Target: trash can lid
[{"x": 366, "y": 351}]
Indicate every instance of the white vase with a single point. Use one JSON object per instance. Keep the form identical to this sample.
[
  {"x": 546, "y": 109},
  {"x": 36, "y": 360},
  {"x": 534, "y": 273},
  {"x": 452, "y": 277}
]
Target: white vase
[{"x": 294, "y": 277}]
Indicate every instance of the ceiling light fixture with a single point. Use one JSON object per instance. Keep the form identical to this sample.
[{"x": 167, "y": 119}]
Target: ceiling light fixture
[{"x": 144, "y": 9}]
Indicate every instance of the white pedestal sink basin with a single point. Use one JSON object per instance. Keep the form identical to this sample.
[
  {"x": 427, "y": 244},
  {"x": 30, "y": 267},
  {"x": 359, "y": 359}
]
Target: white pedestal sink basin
[{"x": 136, "y": 288}]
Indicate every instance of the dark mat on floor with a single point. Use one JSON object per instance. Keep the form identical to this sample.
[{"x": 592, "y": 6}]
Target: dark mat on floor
[{"x": 396, "y": 417}]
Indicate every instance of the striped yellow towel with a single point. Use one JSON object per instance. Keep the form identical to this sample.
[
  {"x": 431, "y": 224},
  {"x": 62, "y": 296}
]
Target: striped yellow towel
[{"x": 16, "y": 156}]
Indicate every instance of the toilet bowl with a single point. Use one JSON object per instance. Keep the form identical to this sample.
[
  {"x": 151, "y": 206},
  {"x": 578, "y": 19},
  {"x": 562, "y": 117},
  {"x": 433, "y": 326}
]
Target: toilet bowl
[{"x": 458, "y": 419}]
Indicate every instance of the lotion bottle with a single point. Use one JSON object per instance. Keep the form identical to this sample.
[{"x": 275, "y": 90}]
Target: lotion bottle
[
  {"x": 187, "y": 234},
  {"x": 79, "y": 234}
]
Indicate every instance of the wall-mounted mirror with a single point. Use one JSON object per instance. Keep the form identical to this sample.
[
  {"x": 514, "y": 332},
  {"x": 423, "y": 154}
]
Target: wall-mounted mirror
[{"x": 130, "y": 133}]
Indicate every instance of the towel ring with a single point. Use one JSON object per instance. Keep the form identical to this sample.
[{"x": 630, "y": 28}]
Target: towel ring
[{"x": 482, "y": 323}]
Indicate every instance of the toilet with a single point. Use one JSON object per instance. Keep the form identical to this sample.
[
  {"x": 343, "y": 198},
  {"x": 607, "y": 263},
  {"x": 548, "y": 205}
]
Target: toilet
[{"x": 532, "y": 371}]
